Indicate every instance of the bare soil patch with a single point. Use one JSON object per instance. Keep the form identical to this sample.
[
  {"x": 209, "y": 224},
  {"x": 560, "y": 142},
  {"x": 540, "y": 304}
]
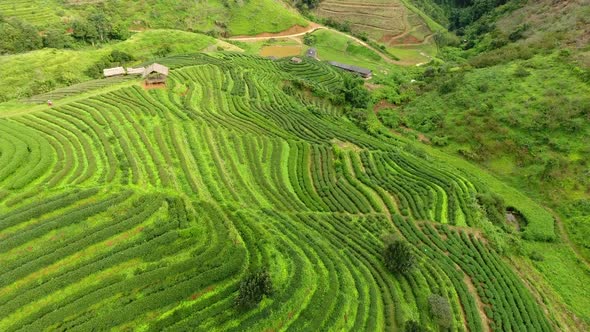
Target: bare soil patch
[
  {"x": 383, "y": 104},
  {"x": 280, "y": 51},
  {"x": 153, "y": 86},
  {"x": 405, "y": 40},
  {"x": 480, "y": 305}
]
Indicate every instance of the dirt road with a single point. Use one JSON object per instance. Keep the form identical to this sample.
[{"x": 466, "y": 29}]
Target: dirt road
[{"x": 311, "y": 28}]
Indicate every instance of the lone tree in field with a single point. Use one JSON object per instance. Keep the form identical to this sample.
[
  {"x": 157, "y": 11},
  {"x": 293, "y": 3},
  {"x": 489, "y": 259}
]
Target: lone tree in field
[
  {"x": 398, "y": 257},
  {"x": 253, "y": 288},
  {"x": 441, "y": 310}
]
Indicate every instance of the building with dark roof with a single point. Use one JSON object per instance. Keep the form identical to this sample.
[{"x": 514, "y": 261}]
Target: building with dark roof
[{"x": 365, "y": 73}]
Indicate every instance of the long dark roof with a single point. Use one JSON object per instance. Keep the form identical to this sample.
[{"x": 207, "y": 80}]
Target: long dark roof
[{"x": 355, "y": 69}]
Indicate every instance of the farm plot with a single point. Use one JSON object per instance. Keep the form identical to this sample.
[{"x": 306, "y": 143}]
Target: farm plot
[
  {"x": 31, "y": 11},
  {"x": 386, "y": 21},
  {"x": 143, "y": 210}
]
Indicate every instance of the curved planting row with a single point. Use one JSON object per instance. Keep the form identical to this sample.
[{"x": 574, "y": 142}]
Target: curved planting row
[{"x": 144, "y": 210}]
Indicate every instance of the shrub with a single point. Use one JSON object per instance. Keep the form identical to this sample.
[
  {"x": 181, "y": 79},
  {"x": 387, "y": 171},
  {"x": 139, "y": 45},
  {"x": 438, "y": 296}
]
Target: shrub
[
  {"x": 413, "y": 326},
  {"x": 253, "y": 288},
  {"x": 398, "y": 257},
  {"x": 441, "y": 310}
]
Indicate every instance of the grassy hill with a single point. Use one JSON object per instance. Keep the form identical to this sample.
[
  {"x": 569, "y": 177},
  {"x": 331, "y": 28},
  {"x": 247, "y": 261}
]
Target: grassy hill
[
  {"x": 43, "y": 70},
  {"x": 222, "y": 17},
  {"x": 144, "y": 209},
  {"x": 512, "y": 96}
]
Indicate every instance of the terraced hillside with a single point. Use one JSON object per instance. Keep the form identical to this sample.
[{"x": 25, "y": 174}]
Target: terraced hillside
[
  {"x": 143, "y": 210},
  {"x": 387, "y": 21},
  {"x": 39, "y": 12}
]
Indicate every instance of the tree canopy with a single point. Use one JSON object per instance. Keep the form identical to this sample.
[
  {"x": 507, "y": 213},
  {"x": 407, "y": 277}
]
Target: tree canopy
[
  {"x": 253, "y": 288},
  {"x": 398, "y": 257}
]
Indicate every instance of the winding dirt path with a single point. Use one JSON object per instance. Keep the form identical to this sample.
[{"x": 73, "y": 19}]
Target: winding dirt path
[{"x": 314, "y": 27}]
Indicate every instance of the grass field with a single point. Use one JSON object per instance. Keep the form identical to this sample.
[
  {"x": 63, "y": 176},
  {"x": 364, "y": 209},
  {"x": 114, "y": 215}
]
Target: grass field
[
  {"x": 23, "y": 72},
  {"x": 333, "y": 46},
  {"x": 232, "y": 17},
  {"x": 130, "y": 209}
]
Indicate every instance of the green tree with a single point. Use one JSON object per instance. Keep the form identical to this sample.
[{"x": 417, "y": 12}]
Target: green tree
[
  {"x": 441, "y": 310},
  {"x": 55, "y": 38},
  {"x": 101, "y": 24},
  {"x": 355, "y": 93},
  {"x": 398, "y": 257},
  {"x": 17, "y": 36},
  {"x": 253, "y": 288},
  {"x": 84, "y": 31},
  {"x": 309, "y": 39}
]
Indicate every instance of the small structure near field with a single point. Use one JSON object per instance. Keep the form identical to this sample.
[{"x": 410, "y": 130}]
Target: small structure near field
[
  {"x": 312, "y": 52},
  {"x": 365, "y": 73},
  {"x": 296, "y": 60},
  {"x": 112, "y": 72},
  {"x": 135, "y": 71},
  {"x": 155, "y": 74}
]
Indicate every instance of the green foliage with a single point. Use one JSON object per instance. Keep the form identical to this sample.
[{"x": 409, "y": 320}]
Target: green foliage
[
  {"x": 115, "y": 59},
  {"x": 354, "y": 92},
  {"x": 398, "y": 257},
  {"x": 225, "y": 171},
  {"x": 17, "y": 36},
  {"x": 253, "y": 288},
  {"x": 55, "y": 38},
  {"x": 309, "y": 39},
  {"x": 441, "y": 310},
  {"x": 413, "y": 326},
  {"x": 390, "y": 118},
  {"x": 494, "y": 207}
]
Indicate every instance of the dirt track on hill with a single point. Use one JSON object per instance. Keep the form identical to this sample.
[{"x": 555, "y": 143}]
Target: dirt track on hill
[{"x": 313, "y": 27}]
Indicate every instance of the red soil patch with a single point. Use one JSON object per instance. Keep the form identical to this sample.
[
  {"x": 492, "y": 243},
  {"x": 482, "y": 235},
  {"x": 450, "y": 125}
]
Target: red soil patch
[
  {"x": 280, "y": 51},
  {"x": 153, "y": 86},
  {"x": 296, "y": 29},
  {"x": 383, "y": 104},
  {"x": 407, "y": 39}
]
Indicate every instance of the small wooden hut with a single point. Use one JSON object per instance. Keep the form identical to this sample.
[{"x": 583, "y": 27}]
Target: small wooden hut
[
  {"x": 135, "y": 71},
  {"x": 112, "y": 72},
  {"x": 155, "y": 74}
]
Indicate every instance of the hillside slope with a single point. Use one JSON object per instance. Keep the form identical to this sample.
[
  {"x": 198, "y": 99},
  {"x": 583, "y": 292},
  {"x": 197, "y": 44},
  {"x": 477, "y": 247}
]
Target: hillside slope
[
  {"x": 216, "y": 17},
  {"x": 137, "y": 209},
  {"x": 513, "y": 95}
]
